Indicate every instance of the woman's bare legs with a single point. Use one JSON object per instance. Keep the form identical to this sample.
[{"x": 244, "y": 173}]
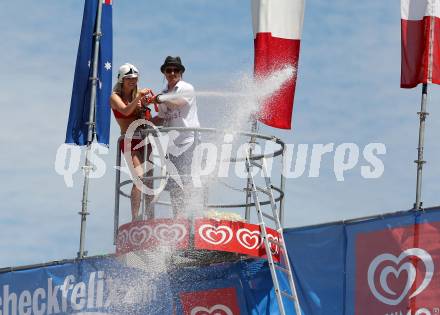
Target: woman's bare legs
[{"x": 136, "y": 193}]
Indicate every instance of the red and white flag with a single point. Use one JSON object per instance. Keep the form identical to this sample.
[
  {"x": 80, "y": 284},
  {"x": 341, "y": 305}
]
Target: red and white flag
[
  {"x": 277, "y": 28},
  {"x": 420, "y": 42}
]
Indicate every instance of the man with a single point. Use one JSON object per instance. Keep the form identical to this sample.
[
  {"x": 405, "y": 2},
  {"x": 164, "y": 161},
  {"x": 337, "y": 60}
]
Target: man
[{"x": 178, "y": 108}]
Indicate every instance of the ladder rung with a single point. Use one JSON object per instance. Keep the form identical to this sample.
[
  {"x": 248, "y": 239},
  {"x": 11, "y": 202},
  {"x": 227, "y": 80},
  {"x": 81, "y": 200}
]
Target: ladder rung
[
  {"x": 279, "y": 244},
  {"x": 288, "y": 295},
  {"x": 256, "y": 164},
  {"x": 263, "y": 190},
  {"x": 285, "y": 270},
  {"x": 271, "y": 217}
]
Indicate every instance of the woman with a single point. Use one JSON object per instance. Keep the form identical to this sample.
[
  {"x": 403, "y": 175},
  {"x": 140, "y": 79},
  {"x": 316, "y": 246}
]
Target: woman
[{"x": 127, "y": 104}]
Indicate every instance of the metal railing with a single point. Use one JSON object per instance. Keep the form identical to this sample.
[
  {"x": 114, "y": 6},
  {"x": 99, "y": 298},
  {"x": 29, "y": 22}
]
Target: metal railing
[{"x": 201, "y": 136}]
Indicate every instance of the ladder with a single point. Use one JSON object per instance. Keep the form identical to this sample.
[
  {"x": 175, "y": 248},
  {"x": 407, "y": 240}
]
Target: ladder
[{"x": 284, "y": 264}]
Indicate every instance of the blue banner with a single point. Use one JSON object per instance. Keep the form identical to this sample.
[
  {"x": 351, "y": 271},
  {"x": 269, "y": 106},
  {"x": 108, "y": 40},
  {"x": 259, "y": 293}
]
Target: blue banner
[
  {"x": 105, "y": 286},
  {"x": 77, "y": 127},
  {"x": 388, "y": 265},
  {"x": 317, "y": 255}
]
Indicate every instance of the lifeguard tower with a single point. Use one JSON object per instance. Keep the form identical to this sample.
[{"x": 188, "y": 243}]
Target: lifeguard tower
[{"x": 209, "y": 233}]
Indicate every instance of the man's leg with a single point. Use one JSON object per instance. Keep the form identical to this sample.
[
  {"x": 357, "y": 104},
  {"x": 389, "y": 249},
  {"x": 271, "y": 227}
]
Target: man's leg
[
  {"x": 149, "y": 206},
  {"x": 177, "y": 201},
  {"x": 181, "y": 197}
]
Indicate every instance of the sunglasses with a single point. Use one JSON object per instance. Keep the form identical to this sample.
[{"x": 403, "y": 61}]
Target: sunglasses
[
  {"x": 131, "y": 71},
  {"x": 169, "y": 70}
]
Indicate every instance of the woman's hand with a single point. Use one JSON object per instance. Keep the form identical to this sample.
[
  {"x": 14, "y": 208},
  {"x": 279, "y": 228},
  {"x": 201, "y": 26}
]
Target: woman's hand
[
  {"x": 144, "y": 92},
  {"x": 145, "y": 95}
]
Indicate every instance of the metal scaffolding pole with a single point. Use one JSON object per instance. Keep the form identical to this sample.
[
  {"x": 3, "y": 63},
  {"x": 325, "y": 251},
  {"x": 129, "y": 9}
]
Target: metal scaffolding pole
[
  {"x": 282, "y": 187},
  {"x": 91, "y": 132},
  {"x": 422, "y": 115},
  {"x": 252, "y": 140}
]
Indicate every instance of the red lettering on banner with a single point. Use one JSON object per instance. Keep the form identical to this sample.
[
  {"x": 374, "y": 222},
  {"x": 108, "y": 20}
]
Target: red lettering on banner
[
  {"x": 211, "y": 302},
  {"x": 398, "y": 270}
]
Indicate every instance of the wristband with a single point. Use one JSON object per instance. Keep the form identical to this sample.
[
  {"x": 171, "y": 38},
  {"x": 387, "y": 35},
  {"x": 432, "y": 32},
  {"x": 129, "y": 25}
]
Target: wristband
[{"x": 158, "y": 101}]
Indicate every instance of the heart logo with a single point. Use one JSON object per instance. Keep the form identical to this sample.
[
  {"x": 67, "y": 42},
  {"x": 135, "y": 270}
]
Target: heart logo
[
  {"x": 170, "y": 234},
  {"x": 218, "y": 309},
  {"x": 248, "y": 239},
  {"x": 122, "y": 238},
  {"x": 274, "y": 247},
  {"x": 139, "y": 235},
  {"x": 411, "y": 272},
  {"x": 215, "y": 235}
]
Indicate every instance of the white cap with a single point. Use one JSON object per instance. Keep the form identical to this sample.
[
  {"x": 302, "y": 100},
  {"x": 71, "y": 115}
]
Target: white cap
[{"x": 127, "y": 70}]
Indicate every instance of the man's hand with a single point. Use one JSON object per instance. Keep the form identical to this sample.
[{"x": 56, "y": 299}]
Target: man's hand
[{"x": 154, "y": 99}]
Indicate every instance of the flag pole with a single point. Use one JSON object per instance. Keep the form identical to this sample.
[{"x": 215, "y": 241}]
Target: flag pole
[
  {"x": 422, "y": 116},
  {"x": 91, "y": 132}
]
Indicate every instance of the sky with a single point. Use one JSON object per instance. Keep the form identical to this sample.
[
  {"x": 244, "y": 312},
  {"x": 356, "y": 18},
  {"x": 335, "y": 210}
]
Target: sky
[{"x": 347, "y": 92}]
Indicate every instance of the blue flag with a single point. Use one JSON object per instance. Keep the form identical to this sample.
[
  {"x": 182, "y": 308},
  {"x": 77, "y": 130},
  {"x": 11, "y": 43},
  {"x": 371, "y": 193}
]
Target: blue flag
[{"x": 77, "y": 127}]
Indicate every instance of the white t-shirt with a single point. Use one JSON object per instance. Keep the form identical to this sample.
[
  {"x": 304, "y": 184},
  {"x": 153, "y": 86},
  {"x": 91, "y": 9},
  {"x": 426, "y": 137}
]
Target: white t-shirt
[{"x": 184, "y": 116}]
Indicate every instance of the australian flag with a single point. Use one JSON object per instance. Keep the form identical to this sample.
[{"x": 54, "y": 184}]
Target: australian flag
[{"x": 77, "y": 126}]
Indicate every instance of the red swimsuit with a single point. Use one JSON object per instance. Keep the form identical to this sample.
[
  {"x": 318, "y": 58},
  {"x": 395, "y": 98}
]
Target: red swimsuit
[
  {"x": 120, "y": 115},
  {"x": 134, "y": 142}
]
